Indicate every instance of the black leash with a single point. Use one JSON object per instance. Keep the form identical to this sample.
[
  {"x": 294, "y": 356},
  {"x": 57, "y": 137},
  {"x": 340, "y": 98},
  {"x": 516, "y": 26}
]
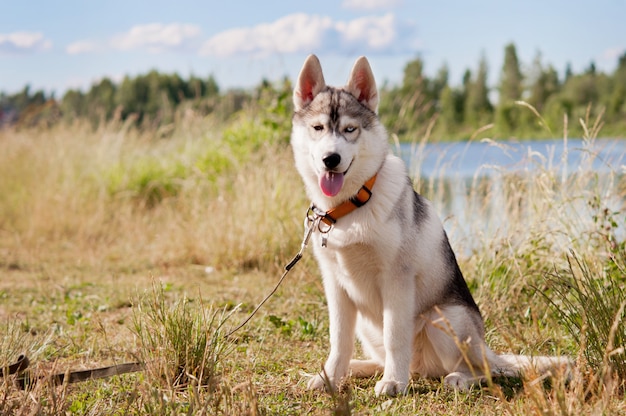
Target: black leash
[
  {"x": 25, "y": 378},
  {"x": 311, "y": 222}
]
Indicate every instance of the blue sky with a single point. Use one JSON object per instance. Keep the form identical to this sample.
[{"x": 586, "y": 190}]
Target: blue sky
[{"x": 56, "y": 45}]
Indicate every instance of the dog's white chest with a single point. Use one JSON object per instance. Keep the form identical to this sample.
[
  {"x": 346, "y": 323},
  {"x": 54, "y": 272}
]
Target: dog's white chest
[{"x": 358, "y": 272}]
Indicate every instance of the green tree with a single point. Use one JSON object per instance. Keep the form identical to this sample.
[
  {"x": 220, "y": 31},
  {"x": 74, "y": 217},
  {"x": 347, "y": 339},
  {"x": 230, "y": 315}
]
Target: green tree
[
  {"x": 408, "y": 108},
  {"x": 478, "y": 108},
  {"x": 568, "y": 72},
  {"x": 543, "y": 83},
  {"x": 511, "y": 77},
  {"x": 583, "y": 95},
  {"x": 101, "y": 100},
  {"x": 212, "y": 88},
  {"x": 461, "y": 101},
  {"x": 508, "y": 114},
  {"x": 439, "y": 83},
  {"x": 24, "y": 98},
  {"x": 582, "y": 89},
  {"x": 413, "y": 78},
  {"x": 73, "y": 105},
  {"x": 449, "y": 118},
  {"x": 617, "y": 100},
  {"x": 197, "y": 88},
  {"x": 591, "y": 69},
  {"x": 131, "y": 96}
]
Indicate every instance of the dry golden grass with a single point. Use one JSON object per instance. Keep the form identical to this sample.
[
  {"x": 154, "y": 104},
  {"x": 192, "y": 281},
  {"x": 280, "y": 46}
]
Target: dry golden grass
[{"x": 109, "y": 236}]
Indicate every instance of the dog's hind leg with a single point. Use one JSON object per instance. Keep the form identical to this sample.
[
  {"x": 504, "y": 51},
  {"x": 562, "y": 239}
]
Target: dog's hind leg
[
  {"x": 365, "y": 368},
  {"x": 456, "y": 337},
  {"x": 371, "y": 339}
]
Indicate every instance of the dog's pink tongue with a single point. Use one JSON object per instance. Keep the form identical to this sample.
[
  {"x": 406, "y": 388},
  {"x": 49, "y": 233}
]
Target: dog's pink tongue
[{"x": 331, "y": 183}]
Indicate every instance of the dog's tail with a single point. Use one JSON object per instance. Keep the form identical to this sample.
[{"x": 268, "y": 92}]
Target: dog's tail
[{"x": 511, "y": 365}]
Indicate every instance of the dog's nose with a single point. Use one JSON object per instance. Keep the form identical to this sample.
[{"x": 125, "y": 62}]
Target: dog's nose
[{"x": 332, "y": 160}]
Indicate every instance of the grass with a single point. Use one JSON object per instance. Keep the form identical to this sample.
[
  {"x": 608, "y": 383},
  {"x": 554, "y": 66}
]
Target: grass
[{"x": 118, "y": 245}]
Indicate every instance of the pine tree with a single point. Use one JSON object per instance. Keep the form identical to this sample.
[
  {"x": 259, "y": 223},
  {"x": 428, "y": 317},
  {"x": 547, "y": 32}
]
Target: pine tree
[
  {"x": 413, "y": 79},
  {"x": 449, "y": 116},
  {"x": 544, "y": 82},
  {"x": 73, "y": 104},
  {"x": 617, "y": 100},
  {"x": 477, "y": 105},
  {"x": 543, "y": 88},
  {"x": 461, "y": 99},
  {"x": 508, "y": 114},
  {"x": 568, "y": 72},
  {"x": 439, "y": 82},
  {"x": 511, "y": 77},
  {"x": 413, "y": 100},
  {"x": 100, "y": 100}
]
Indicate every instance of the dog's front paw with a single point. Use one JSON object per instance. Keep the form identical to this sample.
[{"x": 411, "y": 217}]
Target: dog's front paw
[
  {"x": 319, "y": 382},
  {"x": 390, "y": 388}
]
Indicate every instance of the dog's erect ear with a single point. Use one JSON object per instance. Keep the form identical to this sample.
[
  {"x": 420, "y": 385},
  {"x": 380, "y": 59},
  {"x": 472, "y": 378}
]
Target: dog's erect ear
[
  {"x": 310, "y": 83},
  {"x": 362, "y": 84}
]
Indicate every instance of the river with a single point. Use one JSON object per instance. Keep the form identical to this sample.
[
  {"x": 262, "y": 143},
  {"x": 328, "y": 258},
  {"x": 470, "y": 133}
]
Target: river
[{"x": 488, "y": 187}]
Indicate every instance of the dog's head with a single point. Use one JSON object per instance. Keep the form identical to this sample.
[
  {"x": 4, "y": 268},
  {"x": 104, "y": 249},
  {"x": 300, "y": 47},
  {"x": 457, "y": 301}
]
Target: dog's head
[{"x": 337, "y": 139}]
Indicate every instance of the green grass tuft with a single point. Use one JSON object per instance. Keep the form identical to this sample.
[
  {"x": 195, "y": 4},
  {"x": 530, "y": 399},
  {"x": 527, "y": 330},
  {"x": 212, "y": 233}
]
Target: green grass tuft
[
  {"x": 181, "y": 344},
  {"x": 590, "y": 301}
]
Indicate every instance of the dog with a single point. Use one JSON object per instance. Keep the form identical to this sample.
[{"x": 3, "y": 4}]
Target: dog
[{"x": 389, "y": 273}]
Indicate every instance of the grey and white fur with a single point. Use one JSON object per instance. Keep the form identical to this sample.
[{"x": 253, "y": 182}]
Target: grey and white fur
[{"x": 390, "y": 276}]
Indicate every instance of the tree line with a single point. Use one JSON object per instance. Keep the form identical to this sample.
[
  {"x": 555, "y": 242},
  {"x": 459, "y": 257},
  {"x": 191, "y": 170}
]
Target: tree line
[
  {"x": 527, "y": 101},
  {"x": 531, "y": 102}
]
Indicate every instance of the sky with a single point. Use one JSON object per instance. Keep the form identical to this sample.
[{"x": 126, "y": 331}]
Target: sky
[{"x": 56, "y": 45}]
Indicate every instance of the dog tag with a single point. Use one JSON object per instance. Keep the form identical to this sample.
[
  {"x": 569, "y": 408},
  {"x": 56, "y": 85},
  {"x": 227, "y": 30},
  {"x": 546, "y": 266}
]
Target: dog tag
[{"x": 324, "y": 230}]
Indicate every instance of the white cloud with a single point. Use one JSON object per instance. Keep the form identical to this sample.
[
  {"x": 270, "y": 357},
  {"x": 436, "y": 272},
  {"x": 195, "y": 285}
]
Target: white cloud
[
  {"x": 370, "y": 4},
  {"x": 157, "y": 37},
  {"x": 308, "y": 33},
  {"x": 82, "y": 46},
  {"x": 377, "y": 33},
  {"x": 23, "y": 42},
  {"x": 612, "y": 54},
  {"x": 284, "y": 35}
]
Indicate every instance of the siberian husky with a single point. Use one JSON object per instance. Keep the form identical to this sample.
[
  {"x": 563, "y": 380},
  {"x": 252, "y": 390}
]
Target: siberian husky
[{"x": 389, "y": 274}]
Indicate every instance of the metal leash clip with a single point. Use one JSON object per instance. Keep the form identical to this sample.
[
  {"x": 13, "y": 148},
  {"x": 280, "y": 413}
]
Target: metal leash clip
[{"x": 314, "y": 216}]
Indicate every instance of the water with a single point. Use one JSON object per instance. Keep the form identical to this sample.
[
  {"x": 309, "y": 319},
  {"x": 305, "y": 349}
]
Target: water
[
  {"x": 504, "y": 190},
  {"x": 467, "y": 159}
]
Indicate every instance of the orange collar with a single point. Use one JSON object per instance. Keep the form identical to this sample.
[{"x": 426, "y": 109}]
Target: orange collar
[{"x": 332, "y": 215}]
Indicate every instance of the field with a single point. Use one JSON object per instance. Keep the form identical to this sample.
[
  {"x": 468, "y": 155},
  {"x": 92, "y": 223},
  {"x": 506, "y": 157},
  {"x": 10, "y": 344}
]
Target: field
[{"x": 119, "y": 245}]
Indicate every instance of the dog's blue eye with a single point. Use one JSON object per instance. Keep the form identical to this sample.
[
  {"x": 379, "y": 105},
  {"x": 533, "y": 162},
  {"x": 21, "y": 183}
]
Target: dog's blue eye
[
  {"x": 350, "y": 129},
  {"x": 318, "y": 127}
]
